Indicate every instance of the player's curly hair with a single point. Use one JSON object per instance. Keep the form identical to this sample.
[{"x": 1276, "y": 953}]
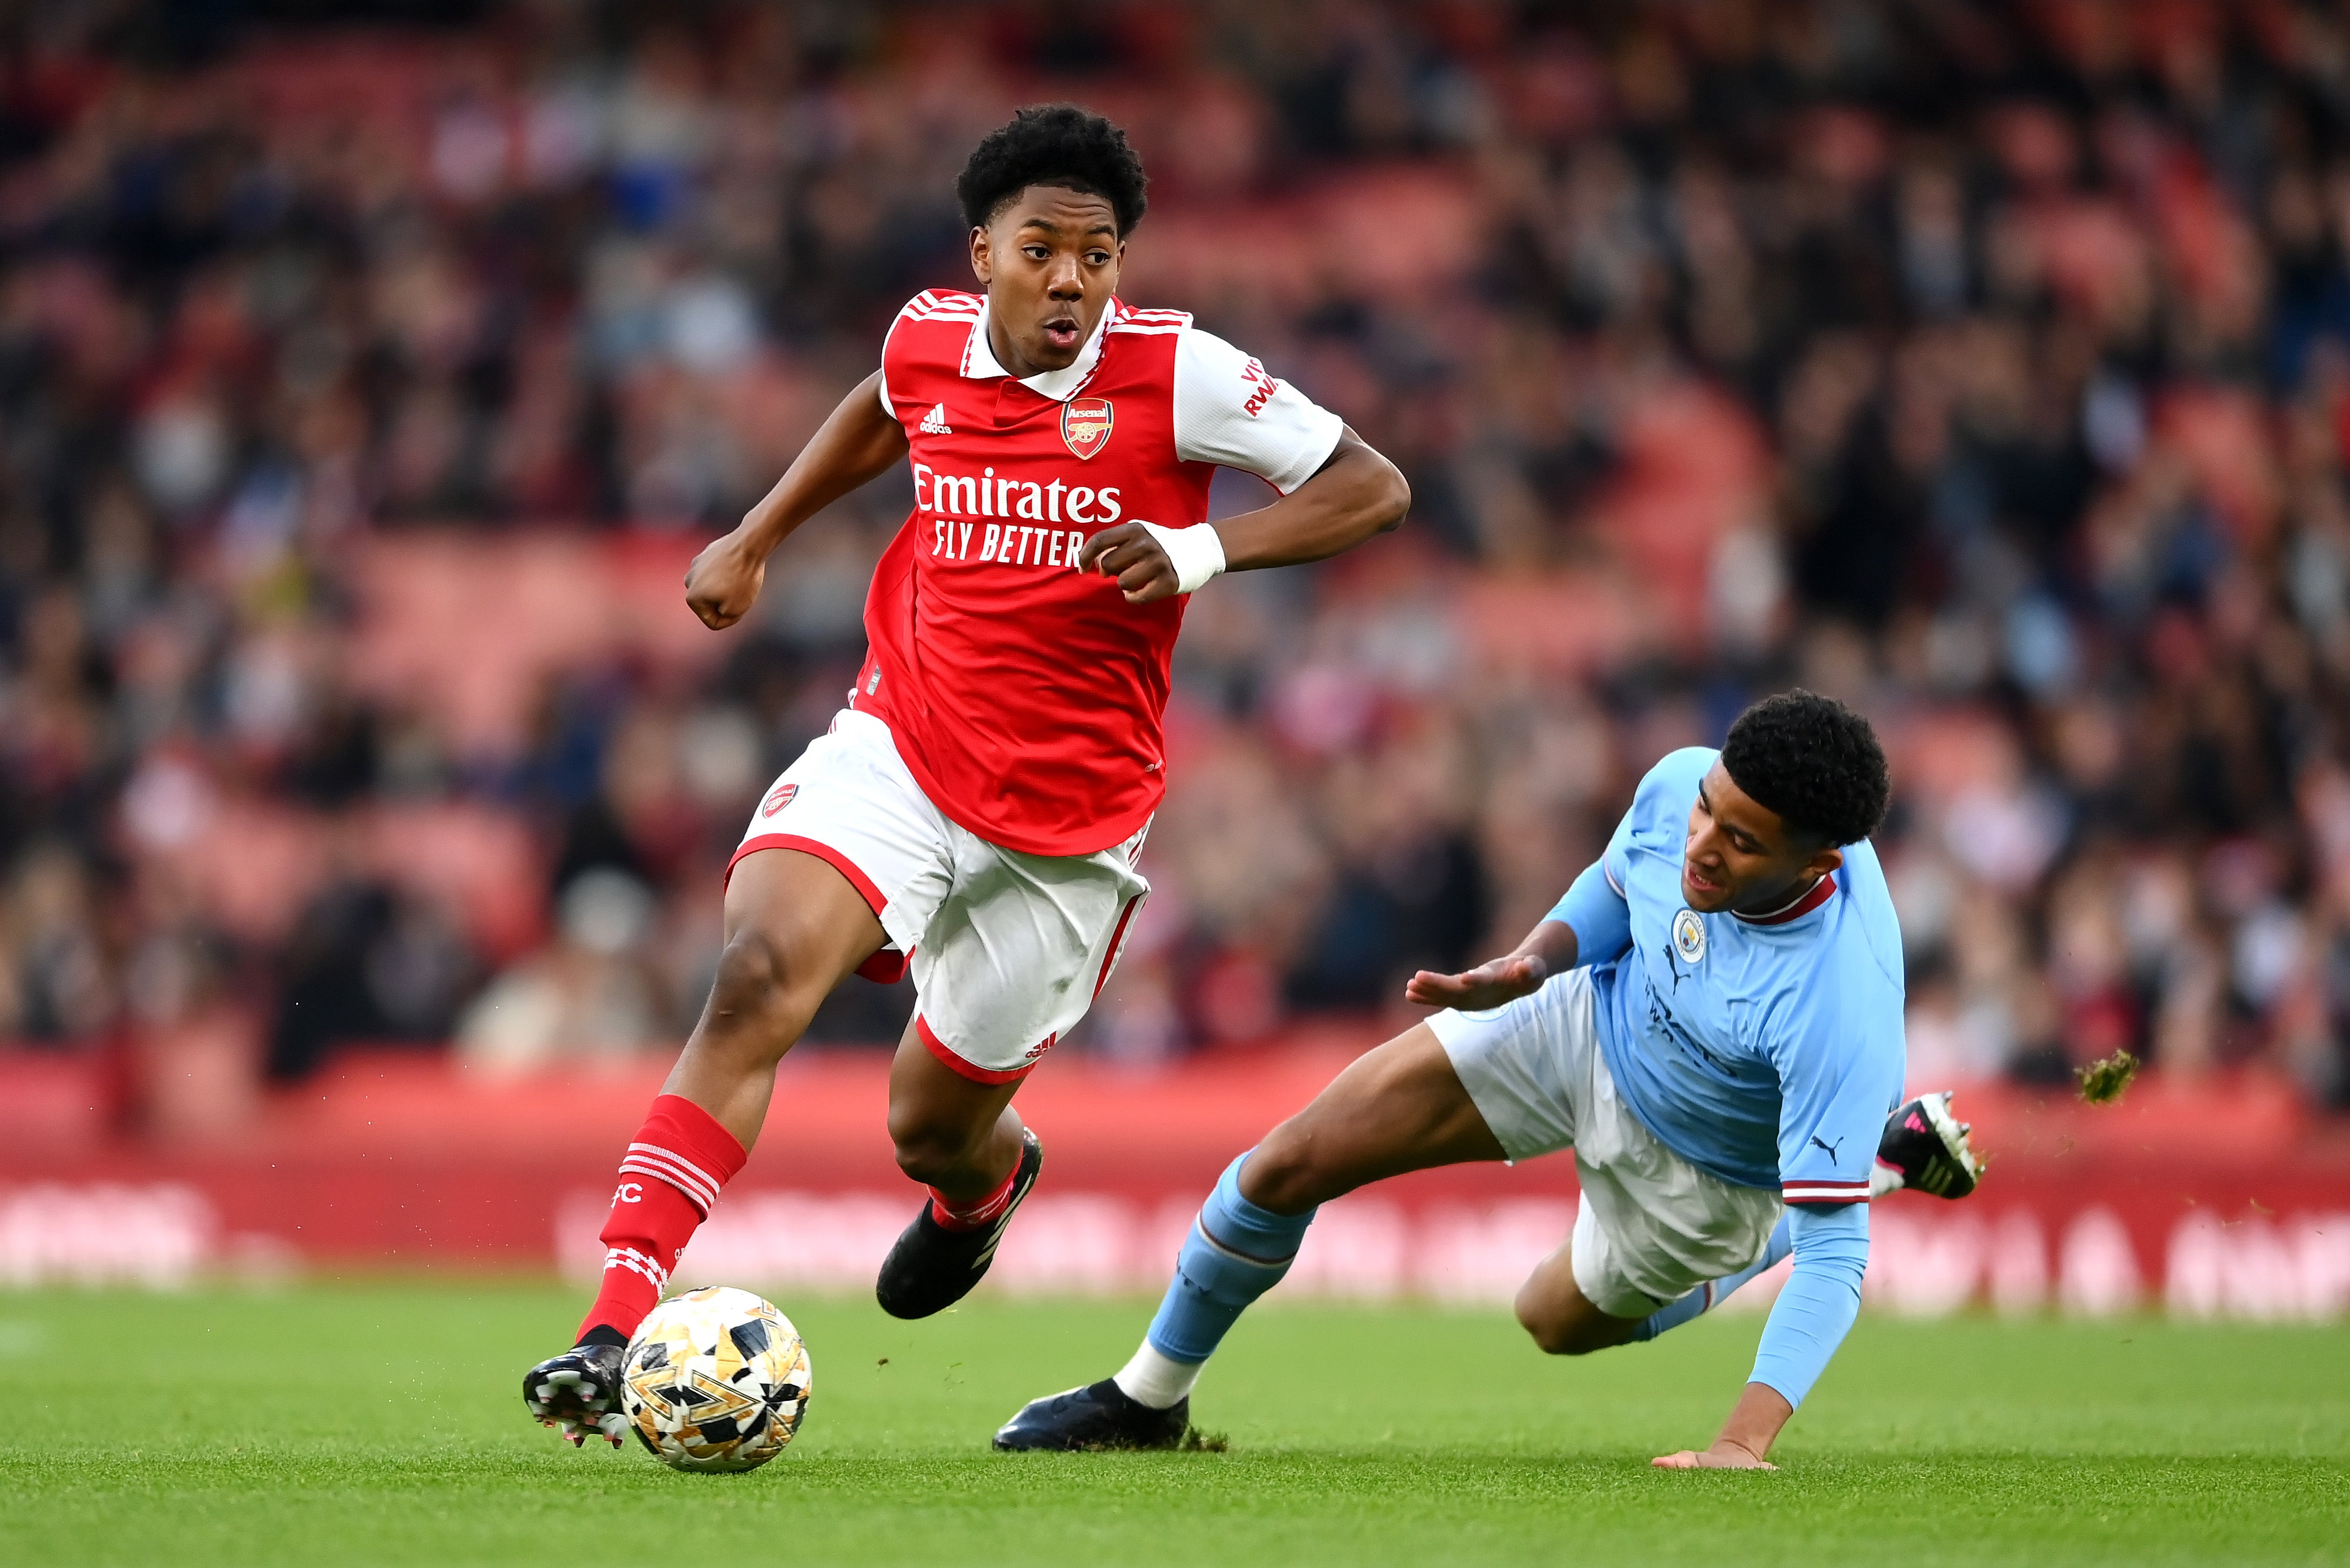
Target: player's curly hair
[
  {"x": 1813, "y": 760},
  {"x": 1053, "y": 145}
]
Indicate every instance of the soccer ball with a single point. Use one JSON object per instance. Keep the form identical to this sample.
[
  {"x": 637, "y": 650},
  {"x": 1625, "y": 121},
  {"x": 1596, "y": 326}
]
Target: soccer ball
[{"x": 716, "y": 1379}]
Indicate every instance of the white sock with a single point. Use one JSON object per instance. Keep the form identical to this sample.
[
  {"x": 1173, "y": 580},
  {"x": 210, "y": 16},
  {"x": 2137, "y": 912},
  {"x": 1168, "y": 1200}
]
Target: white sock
[{"x": 1157, "y": 1380}]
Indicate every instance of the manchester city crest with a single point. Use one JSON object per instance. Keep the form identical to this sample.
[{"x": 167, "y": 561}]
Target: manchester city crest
[{"x": 1688, "y": 937}]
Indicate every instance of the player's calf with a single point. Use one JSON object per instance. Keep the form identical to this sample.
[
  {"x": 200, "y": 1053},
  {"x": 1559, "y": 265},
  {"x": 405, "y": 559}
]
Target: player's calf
[
  {"x": 1285, "y": 1174},
  {"x": 960, "y": 1150},
  {"x": 1397, "y": 1108},
  {"x": 947, "y": 1250},
  {"x": 960, "y": 1137},
  {"x": 760, "y": 1001},
  {"x": 796, "y": 928}
]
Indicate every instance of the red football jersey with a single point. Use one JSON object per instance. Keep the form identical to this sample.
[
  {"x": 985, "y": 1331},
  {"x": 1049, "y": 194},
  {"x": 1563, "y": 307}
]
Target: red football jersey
[{"x": 1025, "y": 696}]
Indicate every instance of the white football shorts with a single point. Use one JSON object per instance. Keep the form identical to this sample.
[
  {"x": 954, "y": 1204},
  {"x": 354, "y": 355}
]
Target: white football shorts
[
  {"x": 1007, "y": 950},
  {"x": 1651, "y": 1227}
]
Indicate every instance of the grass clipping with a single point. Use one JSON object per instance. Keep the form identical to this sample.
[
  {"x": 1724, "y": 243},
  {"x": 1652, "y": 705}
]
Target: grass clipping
[{"x": 2103, "y": 1083}]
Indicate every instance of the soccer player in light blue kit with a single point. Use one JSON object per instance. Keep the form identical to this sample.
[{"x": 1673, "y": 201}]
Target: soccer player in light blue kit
[{"x": 1711, "y": 1018}]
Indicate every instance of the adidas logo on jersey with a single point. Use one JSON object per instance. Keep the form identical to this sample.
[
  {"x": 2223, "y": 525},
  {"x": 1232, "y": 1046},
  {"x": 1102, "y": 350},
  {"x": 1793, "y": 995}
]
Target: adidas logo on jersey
[{"x": 935, "y": 422}]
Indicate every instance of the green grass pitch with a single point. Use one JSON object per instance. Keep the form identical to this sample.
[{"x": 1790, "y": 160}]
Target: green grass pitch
[{"x": 380, "y": 1423}]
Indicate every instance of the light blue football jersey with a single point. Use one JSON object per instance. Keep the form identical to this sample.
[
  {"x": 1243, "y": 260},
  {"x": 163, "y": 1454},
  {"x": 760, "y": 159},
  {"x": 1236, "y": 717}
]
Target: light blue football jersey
[{"x": 1766, "y": 1051}]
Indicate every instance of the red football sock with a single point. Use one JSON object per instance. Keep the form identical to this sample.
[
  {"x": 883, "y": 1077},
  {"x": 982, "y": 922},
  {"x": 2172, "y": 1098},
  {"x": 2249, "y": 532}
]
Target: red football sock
[
  {"x": 971, "y": 1216},
  {"x": 670, "y": 1181}
]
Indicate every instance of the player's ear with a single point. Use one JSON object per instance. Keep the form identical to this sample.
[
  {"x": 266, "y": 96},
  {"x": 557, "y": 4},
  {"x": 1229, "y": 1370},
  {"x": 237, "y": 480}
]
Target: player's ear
[
  {"x": 1826, "y": 861},
  {"x": 983, "y": 255}
]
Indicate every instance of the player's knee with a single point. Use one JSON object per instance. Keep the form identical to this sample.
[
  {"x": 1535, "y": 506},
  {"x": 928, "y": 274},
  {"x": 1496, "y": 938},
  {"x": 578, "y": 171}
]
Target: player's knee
[
  {"x": 756, "y": 1003},
  {"x": 1552, "y": 1337},
  {"x": 1281, "y": 1174},
  {"x": 1555, "y": 1332}
]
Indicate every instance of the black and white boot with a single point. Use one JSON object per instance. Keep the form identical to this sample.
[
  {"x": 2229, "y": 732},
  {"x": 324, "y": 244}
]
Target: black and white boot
[
  {"x": 930, "y": 1267},
  {"x": 578, "y": 1393},
  {"x": 1925, "y": 1148}
]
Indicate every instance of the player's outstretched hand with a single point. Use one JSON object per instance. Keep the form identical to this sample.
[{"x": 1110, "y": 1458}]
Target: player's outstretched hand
[
  {"x": 1138, "y": 561},
  {"x": 1720, "y": 1457},
  {"x": 1487, "y": 985},
  {"x": 723, "y": 583}
]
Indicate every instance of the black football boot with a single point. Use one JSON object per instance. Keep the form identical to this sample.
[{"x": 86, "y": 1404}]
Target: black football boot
[
  {"x": 578, "y": 1392},
  {"x": 1925, "y": 1148},
  {"x": 1096, "y": 1418},
  {"x": 930, "y": 1268}
]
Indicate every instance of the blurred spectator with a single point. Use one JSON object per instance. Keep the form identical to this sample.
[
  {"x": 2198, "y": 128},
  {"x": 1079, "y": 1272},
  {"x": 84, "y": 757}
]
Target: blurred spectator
[
  {"x": 364, "y": 390},
  {"x": 586, "y": 996}
]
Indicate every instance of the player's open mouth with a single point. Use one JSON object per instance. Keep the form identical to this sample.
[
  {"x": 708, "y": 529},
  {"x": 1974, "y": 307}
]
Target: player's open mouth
[
  {"x": 1062, "y": 333},
  {"x": 1697, "y": 881}
]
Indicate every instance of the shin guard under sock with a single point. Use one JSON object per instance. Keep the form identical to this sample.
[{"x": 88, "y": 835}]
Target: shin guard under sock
[
  {"x": 1235, "y": 1253},
  {"x": 669, "y": 1181}
]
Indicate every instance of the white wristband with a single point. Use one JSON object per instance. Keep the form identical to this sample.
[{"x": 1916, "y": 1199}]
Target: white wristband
[{"x": 1196, "y": 552}]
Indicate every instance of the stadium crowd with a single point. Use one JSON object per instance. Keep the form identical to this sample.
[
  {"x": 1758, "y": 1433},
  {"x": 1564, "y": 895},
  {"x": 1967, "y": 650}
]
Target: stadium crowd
[{"x": 1987, "y": 365}]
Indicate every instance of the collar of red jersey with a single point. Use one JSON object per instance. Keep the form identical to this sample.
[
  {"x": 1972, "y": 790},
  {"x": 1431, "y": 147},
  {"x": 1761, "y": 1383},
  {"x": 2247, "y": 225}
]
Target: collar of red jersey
[
  {"x": 1796, "y": 908},
  {"x": 979, "y": 361}
]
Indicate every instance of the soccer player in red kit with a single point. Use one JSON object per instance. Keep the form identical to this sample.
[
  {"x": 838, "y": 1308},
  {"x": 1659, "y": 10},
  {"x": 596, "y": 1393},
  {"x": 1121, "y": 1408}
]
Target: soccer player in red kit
[{"x": 976, "y": 811}]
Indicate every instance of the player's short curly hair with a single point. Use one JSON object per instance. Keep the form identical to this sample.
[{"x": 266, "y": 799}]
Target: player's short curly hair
[
  {"x": 1813, "y": 760},
  {"x": 1053, "y": 145}
]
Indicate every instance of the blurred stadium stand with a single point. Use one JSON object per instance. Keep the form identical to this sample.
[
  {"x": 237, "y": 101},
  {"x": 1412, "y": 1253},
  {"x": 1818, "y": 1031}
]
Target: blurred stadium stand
[
  {"x": 2235, "y": 1205},
  {"x": 369, "y": 373}
]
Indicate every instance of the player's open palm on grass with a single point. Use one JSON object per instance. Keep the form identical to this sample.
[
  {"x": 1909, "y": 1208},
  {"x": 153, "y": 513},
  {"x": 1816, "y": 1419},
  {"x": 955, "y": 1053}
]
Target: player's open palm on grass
[{"x": 1489, "y": 985}]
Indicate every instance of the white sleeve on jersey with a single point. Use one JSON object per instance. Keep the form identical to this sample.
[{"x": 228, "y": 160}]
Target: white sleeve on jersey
[{"x": 1229, "y": 410}]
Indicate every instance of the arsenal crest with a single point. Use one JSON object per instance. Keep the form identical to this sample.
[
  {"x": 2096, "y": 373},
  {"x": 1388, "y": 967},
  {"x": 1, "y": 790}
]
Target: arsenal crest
[{"x": 1085, "y": 425}]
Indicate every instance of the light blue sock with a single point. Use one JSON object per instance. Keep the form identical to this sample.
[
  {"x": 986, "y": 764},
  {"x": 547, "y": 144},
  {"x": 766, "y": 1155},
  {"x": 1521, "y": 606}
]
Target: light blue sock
[
  {"x": 1714, "y": 1292},
  {"x": 1236, "y": 1252}
]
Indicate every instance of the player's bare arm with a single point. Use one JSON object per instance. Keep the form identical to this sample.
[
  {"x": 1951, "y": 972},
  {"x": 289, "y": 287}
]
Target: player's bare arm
[
  {"x": 857, "y": 443},
  {"x": 1356, "y": 494},
  {"x": 1549, "y": 948},
  {"x": 1049, "y": 264},
  {"x": 1753, "y": 1426}
]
